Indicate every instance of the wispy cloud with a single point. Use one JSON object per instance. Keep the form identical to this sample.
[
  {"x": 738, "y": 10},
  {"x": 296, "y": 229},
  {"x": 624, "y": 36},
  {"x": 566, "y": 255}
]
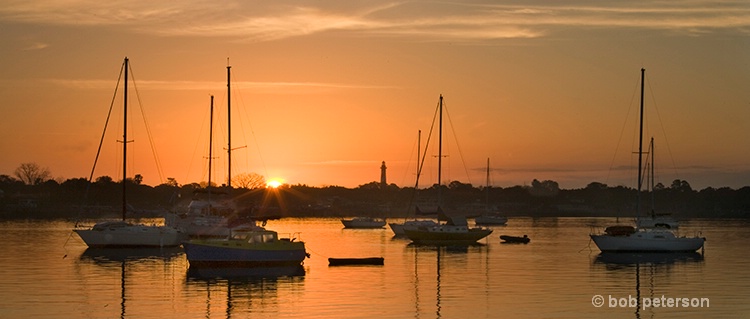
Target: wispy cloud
[
  {"x": 35, "y": 46},
  {"x": 426, "y": 21},
  {"x": 209, "y": 85}
]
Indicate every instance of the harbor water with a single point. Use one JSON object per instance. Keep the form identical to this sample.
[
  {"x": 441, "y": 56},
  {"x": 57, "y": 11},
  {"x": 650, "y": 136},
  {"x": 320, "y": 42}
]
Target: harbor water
[{"x": 46, "y": 271}]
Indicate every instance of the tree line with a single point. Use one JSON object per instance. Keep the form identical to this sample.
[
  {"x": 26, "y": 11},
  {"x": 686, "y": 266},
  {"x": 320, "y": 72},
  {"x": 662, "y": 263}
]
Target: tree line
[{"x": 32, "y": 194}]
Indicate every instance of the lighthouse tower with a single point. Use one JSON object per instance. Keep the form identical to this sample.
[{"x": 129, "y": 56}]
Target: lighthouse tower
[{"x": 382, "y": 175}]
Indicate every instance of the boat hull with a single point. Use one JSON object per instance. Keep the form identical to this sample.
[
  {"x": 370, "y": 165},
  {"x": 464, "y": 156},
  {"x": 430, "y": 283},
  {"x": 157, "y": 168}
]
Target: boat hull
[
  {"x": 515, "y": 239},
  {"x": 399, "y": 229},
  {"x": 632, "y": 243},
  {"x": 436, "y": 236},
  {"x": 223, "y": 253},
  {"x": 132, "y": 236}
]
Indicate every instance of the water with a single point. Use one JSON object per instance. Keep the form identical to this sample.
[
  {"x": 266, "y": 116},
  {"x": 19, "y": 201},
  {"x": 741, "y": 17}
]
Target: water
[{"x": 46, "y": 271}]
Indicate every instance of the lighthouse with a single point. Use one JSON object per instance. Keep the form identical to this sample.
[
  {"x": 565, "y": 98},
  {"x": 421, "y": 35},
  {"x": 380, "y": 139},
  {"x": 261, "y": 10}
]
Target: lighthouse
[{"x": 383, "y": 184}]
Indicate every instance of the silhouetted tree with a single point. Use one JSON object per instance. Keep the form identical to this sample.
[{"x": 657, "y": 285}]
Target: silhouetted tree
[
  {"x": 138, "y": 179},
  {"x": 32, "y": 173},
  {"x": 249, "y": 180}
]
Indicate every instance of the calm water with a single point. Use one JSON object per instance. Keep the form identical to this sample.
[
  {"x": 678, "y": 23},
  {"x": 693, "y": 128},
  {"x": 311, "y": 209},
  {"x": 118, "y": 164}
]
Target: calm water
[{"x": 46, "y": 271}]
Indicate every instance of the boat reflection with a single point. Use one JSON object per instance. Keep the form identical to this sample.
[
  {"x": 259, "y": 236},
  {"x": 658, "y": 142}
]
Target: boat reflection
[
  {"x": 231, "y": 291},
  {"x": 650, "y": 267},
  {"x": 244, "y": 274},
  {"x": 128, "y": 261},
  {"x": 441, "y": 262},
  {"x": 106, "y": 256},
  {"x": 633, "y": 259}
]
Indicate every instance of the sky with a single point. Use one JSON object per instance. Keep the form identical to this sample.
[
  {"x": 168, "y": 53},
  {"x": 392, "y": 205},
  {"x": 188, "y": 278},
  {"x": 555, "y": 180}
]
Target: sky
[{"x": 323, "y": 92}]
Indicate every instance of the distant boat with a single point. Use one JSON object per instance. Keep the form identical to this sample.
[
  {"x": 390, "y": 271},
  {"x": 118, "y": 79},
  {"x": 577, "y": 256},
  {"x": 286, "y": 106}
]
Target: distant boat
[
  {"x": 455, "y": 231},
  {"x": 363, "y": 222},
  {"x": 657, "y": 221},
  {"x": 490, "y": 218},
  {"x": 515, "y": 239},
  {"x": 623, "y": 238},
  {"x": 245, "y": 248},
  {"x": 122, "y": 233}
]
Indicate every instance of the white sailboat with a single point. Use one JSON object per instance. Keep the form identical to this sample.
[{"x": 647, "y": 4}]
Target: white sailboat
[
  {"x": 456, "y": 230},
  {"x": 623, "y": 238},
  {"x": 122, "y": 233}
]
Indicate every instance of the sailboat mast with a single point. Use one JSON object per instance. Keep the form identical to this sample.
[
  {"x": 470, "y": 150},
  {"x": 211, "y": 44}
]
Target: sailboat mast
[
  {"x": 229, "y": 128},
  {"x": 125, "y": 141},
  {"x": 488, "y": 172},
  {"x": 653, "y": 200},
  {"x": 640, "y": 147},
  {"x": 487, "y": 193},
  {"x": 440, "y": 143},
  {"x": 419, "y": 145},
  {"x": 210, "y": 146}
]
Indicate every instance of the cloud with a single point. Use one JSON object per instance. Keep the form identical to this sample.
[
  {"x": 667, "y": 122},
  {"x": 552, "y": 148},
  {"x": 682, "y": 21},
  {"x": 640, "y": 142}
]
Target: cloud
[
  {"x": 424, "y": 21},
  {"x": 211, "y": 85},
  {"x": 35, "y": 46}
]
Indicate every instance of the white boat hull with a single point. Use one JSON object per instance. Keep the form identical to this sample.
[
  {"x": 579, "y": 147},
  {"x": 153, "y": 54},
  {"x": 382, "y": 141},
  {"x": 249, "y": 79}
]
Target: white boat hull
[
  {"x": 132, "y": 236},
  {"x": 645, "y": 241}
]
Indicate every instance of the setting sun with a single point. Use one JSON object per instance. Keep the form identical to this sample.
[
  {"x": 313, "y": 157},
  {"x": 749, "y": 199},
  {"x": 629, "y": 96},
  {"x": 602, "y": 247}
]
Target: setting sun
[{"x": 274, "y": 183}]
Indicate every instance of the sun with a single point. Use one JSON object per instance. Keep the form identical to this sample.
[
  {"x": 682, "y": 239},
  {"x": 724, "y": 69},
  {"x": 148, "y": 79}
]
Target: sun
[{"x": 274, "y": 183}]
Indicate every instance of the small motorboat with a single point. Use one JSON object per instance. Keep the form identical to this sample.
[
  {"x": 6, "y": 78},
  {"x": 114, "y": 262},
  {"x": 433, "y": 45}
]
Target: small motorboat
[
  {"x": 515, "y": 239},
  {"x": 356, "y": 261}
]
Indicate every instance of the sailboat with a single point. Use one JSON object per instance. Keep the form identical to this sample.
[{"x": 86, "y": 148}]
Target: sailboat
[
  {"x": 208, "y": 213},
  {"x": 490, "y": 218},
  {"x": 654, "y": 220},
  {"x": 399, "y": 228},
  {"x": 455, "y": 231},
  {"x": 122, "y": 233},
  {"x": 624, "y": 238}
]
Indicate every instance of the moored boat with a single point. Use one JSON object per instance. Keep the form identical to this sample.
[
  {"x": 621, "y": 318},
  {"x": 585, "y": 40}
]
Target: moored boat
[
  {"x": 491, "y": 219},
  {"x": 515, "y": 239},
  {"x": 122, "y": 233},
  {"x": 454, "y": 232},
  {"x": 623, "y": 238},
  {"x": 251, "y": 248}
]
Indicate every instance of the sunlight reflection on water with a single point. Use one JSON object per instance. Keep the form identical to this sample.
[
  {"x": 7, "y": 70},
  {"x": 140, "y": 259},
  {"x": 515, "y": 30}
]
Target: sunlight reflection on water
[{"x": 556, "y": 275}]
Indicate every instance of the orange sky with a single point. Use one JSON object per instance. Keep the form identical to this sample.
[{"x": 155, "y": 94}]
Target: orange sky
[{"x": 325, "y": 92}]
